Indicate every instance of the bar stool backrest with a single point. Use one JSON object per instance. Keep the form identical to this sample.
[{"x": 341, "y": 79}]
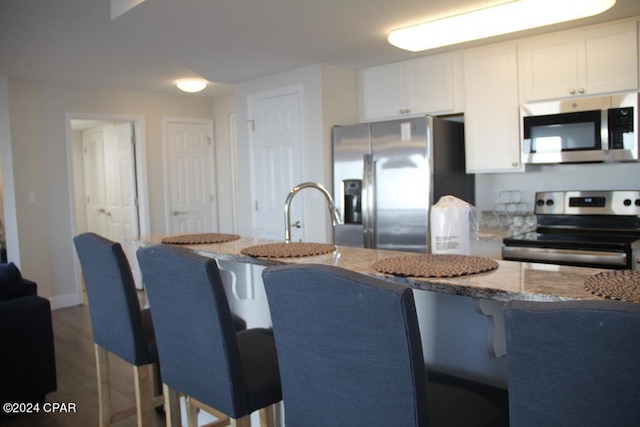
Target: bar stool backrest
[{"x": 573, "y": 363}]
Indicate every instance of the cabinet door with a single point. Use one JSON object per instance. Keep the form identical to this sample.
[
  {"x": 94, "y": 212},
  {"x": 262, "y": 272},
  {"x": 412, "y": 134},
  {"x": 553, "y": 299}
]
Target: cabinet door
[
  {"x": 594, "y": 61},
  {"x": 382, "y": 90},
  {"x": 409, "y": 88},
  {"x": 429, "y": 85},
  {"x": 492, "y": 139},
  {"x": 548, "y": 67},
  {"x": 608, "y": 58}
]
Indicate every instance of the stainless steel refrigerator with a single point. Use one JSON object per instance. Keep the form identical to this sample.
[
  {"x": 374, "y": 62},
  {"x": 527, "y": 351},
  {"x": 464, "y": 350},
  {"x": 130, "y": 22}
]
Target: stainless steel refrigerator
[{"x": 387, "y": 175}]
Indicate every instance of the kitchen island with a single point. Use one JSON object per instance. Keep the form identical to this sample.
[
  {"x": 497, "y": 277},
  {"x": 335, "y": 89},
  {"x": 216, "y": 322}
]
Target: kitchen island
[
  {"x": 511, "y": 280},
  {"x": 460, "y": 318}
]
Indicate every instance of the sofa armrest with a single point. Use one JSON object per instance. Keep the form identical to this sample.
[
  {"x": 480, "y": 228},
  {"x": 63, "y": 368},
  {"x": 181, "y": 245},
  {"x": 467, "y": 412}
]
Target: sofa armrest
[
  {"x": 28, "y": 287},
  {"x": 13, "y": 285}
]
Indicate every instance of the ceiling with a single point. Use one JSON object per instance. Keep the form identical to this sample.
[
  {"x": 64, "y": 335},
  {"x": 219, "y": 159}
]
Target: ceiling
[{"x": 149, "y": 47}]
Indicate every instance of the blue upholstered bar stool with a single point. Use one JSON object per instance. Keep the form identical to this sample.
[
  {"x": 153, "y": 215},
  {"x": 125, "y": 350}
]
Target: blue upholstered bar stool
[
  {"x": 350, "y": 354},
  {"x": 119, "y": 326},
  {"x": 573, "y": 363},
  {"x": 201, "y": 354}
]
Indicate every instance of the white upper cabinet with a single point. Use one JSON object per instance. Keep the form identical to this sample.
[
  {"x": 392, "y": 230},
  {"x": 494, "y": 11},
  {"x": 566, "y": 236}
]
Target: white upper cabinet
[
  {"x": 591, "y": 61},
  {"x": 409, "y": 88},
  {"x": 491, "y": 118}
]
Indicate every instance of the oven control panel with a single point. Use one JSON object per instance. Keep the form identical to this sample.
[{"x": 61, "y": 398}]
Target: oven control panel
[{"x": 618, "y": 202}]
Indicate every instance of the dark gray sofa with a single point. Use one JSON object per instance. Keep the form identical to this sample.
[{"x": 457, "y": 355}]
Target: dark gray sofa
[{"x": 27, "y": 359}]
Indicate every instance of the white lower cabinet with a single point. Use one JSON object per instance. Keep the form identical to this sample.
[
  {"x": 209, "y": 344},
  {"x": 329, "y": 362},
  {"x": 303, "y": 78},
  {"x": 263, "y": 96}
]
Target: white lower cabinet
[{"x": 492, "y": 137}]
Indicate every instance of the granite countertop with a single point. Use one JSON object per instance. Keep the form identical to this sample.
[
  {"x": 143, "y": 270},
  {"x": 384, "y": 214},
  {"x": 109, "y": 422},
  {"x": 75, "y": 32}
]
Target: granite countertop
[{"x": 512, "y": 280}]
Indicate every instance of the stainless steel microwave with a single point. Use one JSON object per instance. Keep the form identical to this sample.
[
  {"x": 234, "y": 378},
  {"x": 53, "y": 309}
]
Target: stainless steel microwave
[{"x": 589, "y": 129}]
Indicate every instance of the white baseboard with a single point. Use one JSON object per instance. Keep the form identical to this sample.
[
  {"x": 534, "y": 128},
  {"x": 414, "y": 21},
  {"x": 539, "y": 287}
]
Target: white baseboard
[{"x": 67, "y": 300}]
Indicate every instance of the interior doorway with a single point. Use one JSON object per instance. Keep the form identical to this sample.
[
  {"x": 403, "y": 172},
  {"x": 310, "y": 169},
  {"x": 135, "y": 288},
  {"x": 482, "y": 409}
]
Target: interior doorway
[
  {"x": 190, "y": 176},
  {"x": 276, "y": 156},
  {"x": 107, "y": 180}
]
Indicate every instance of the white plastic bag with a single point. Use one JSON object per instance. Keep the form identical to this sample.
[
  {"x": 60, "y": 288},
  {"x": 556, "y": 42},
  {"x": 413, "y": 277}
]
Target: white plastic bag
[{"x": 452, "y": 221}]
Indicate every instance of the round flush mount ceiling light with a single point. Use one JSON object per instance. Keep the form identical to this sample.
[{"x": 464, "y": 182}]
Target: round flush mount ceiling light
[{"x": 191, "y": 85}]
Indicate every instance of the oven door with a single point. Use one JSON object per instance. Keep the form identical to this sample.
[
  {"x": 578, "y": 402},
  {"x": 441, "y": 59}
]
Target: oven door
[
  {"x": 594, "y": 249},
  {"x": 563, "y": 256}
]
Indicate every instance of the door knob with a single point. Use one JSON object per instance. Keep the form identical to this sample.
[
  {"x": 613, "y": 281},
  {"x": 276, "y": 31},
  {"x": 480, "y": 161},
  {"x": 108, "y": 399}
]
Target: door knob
[{"x": 297, "y": 224}]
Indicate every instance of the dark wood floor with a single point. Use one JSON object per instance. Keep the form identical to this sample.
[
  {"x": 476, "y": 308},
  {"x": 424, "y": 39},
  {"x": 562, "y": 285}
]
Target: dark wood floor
[
  {"x": 76, "y": 372},
  {"x": 76, "y": 375}
]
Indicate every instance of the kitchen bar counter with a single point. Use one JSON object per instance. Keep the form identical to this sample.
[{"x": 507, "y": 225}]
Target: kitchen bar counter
[{"x": 512, "y": 280}]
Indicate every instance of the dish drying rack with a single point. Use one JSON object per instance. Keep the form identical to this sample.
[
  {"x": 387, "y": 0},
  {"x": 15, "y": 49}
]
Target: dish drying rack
[{"x": 511, "y": 214}]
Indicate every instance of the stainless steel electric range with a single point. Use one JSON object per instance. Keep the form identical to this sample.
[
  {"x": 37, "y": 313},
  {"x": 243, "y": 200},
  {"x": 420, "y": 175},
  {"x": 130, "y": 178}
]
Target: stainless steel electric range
[{"x": 583, "y": 228}]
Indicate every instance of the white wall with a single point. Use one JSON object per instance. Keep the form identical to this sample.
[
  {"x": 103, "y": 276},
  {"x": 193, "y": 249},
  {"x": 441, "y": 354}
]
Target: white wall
[
  {"x": 29, "y": 164},
  {"x": 340, "y": 91},
  {"x": 42, "y": 198},
  {"x": 224, "y": 107}
]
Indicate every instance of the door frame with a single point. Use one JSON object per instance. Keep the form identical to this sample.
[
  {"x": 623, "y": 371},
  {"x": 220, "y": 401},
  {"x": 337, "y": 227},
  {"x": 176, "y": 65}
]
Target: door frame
[
  {"x": 141, "y": 179},
  {"x": 165, "y": 164},
  {"x": 232, "y": 121}
]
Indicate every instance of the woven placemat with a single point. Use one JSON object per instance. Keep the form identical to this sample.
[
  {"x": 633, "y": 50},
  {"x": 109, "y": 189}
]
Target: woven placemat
[
  {"x": 434, "y": 265},
  {"x": 202, "y": 238},
  {"x": 621, "y": 285},
  {"x": 288, "y": 250}
]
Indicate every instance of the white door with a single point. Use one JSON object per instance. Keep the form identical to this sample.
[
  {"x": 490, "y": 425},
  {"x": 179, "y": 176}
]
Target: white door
[
  {"x": 121, "y": 201},
  {"x": 110, "y": 186},
  {"x": 95, "y": 182},
  {"x": 277, "y": 159},
  {"x": 190, "y": 177}
]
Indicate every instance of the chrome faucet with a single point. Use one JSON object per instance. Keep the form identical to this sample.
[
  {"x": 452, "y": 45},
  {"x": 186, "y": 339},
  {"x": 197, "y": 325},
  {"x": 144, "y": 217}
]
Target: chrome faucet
[{"x": 333, "y": 211}]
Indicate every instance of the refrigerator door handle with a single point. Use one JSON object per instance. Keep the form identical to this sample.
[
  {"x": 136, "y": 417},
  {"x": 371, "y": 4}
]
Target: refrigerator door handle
[{"x": 368, "y": 202}]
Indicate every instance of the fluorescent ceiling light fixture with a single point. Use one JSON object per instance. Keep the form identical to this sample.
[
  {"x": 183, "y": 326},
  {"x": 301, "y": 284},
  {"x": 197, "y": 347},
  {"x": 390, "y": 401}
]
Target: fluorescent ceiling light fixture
[
  {"x": 507, "y": 17},
  {"x": 118, "y": 7},
  {"x": 191, "y": 85}
]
